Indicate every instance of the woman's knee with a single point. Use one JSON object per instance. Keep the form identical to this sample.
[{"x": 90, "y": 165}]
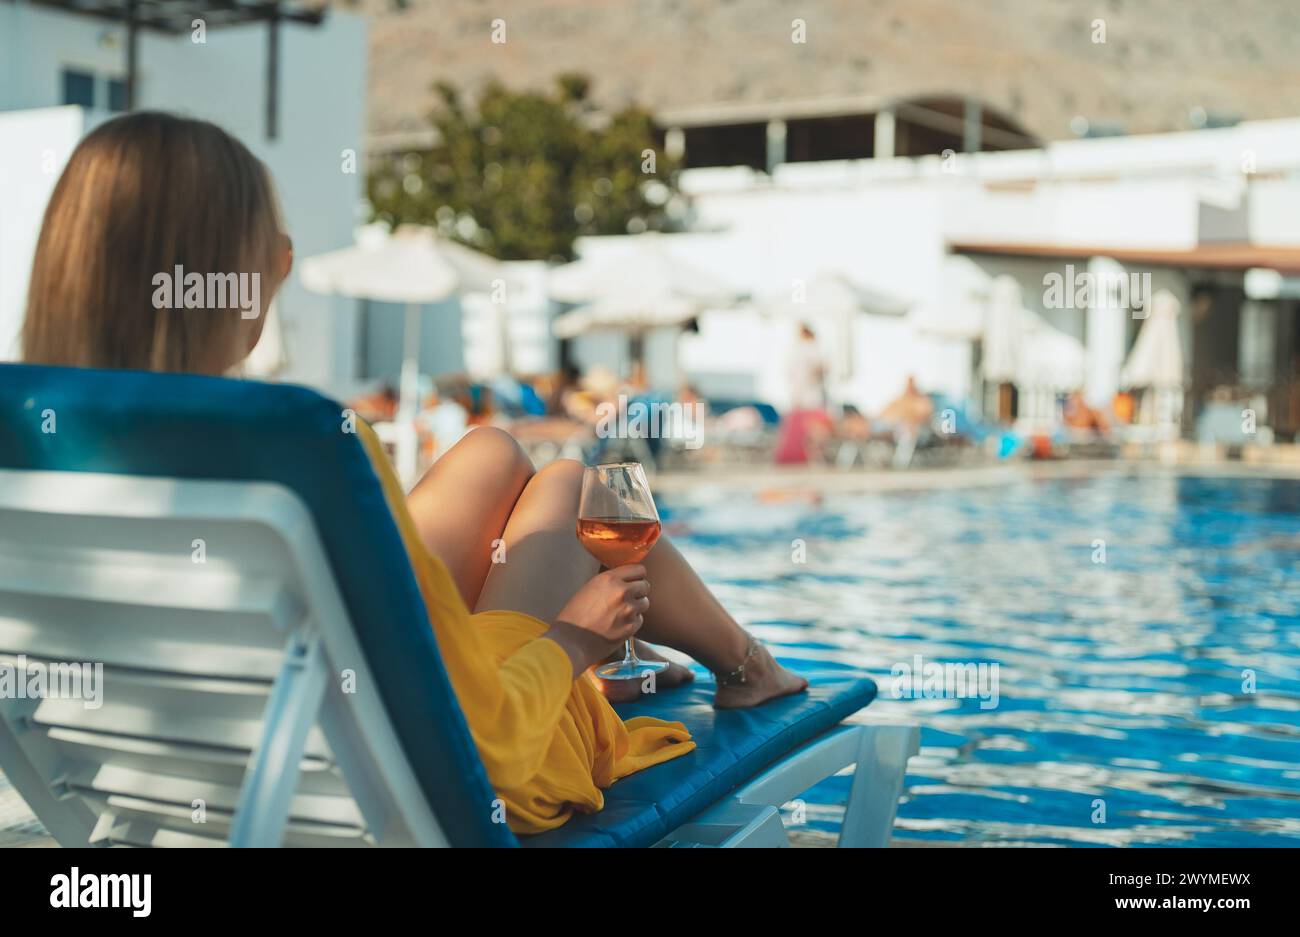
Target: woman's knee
[
  {"x": 557, "y": 483},
  {"x": 562, "y": 472},
  {"x": 487, "y": 448}
]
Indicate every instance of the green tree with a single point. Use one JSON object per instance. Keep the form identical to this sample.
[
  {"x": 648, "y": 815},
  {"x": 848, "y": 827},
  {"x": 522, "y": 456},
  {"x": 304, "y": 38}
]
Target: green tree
[{"x": 521, "y": 174}]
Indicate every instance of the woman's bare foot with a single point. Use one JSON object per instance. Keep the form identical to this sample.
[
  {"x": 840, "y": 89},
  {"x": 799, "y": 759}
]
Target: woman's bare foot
[
  {"x": 624, "y": 691},
  {"x": 765, "y": 680}
]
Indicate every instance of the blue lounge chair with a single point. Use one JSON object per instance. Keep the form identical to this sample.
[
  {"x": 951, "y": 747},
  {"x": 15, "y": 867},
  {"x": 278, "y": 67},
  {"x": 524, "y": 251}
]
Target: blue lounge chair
[{"x": 223, "y": 549}]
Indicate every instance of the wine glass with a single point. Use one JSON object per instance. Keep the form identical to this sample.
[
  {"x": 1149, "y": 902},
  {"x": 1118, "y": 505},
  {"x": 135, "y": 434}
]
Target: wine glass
[{"x": 618, "y": 524}]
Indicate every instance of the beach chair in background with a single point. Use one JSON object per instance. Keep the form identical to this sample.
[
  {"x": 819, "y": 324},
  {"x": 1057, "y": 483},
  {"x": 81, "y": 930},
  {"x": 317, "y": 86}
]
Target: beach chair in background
[
  {"x": 736, "y": 432},
  {"x": 269, "y": 676}
]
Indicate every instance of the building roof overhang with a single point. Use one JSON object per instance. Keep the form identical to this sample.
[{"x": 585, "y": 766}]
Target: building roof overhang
[
  {"x": 176, "y": 17},
  {"x": 1226, "y": 256}
]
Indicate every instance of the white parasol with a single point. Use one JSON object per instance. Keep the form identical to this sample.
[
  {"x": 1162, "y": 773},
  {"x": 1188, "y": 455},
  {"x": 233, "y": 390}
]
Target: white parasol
[
  {"x": 646, "y": 286},
  {"x": 414, "y": 265}
]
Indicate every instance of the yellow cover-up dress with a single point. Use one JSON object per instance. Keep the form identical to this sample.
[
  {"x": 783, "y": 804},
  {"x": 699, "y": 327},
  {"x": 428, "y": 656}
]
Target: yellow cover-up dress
[{"x": 550, "y": 743}]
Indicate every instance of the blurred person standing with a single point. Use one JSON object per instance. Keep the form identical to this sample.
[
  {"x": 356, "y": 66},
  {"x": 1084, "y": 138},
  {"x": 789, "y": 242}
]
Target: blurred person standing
[
  {"x": 807, "y": 421},
  {"x": 806, "y": 373}
]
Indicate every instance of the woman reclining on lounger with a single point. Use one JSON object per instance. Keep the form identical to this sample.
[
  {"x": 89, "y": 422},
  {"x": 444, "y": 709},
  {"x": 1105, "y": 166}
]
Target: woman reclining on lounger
[{"x": 150, "y": 194}]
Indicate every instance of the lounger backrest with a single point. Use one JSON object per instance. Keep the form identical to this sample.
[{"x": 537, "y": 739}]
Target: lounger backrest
[{"x": 223, "y": 550}]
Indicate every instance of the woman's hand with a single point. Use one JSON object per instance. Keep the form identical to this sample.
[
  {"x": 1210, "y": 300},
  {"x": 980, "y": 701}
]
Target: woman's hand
[
  {"x": 610, "y": 605},
  {"x": 605, "y": 612}
]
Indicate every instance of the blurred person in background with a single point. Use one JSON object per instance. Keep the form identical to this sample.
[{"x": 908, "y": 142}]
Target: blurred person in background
[
  {"x": 1078, "y": 415},
  {"x": 907, "y": 417},
  {"x": 910, "y": 411},
  {"x": 807, "y": 423},
  {"x": 566, "y": 381},
  {"x": 1125, "y": 407},
  {"x": 806, "y": 373}
]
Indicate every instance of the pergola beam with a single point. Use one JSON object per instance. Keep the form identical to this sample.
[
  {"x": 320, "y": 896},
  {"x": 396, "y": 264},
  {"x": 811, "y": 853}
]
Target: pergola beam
[
  {"x": 273, "y": 73},
  {"x": 174, "y": 17},
  {"x": 132, "y": 53}
]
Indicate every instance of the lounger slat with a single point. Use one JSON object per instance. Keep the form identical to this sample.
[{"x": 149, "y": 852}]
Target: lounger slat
[
  {"x": 64, "y": 530},
  {"x": 109, "y": 578},
  {"x": 121, "y": 781},
  {"x": 112, "y": 830},
  {"x": 207, "y": 645},
  {"x": 129, "y": 831},
  {"x": 161, "y": 816},
  {"x": 125, "y": 749},
  {"x": 232, "y": 722},
  {"x": 150, "y": 679},
  {"x": 164, "y": 680},
  {"x": 175, "y": 759}
]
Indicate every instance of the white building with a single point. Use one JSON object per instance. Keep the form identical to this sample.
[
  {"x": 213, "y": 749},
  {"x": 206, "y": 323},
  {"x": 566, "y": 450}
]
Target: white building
[
  {"x": 1211, "y": 215},
  {"x": 297, "y": 100}
]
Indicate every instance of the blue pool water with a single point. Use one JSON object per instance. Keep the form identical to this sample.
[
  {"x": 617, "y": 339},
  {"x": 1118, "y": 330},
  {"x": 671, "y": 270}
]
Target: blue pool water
[{"x": 1123, "y": 685}]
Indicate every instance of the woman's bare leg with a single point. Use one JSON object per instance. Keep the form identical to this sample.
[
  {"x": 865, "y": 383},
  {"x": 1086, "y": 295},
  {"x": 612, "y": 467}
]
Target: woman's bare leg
[
  {"x": 545, "y": 564},
  {"x": 687, "y": 617},
  {"x": 461, "y": 505}
]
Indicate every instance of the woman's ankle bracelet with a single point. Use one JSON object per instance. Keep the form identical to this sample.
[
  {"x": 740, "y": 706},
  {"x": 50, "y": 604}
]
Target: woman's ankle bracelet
[{"x": 737, "y": 677}]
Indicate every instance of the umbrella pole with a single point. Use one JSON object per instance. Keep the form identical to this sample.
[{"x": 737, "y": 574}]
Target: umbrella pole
[
  {"x": 408, "y": 402},
  {"x": 636, "y": 355},
  {"x": 409, "y": 391},
  {"x": 507, "y": 354}
]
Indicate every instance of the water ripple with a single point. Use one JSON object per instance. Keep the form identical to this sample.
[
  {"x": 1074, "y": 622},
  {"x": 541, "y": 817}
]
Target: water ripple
[{"x": 1146, "y": 630}]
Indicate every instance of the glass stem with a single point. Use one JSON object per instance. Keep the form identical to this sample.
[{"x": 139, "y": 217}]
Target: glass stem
[{"x": 629, "y": 653}]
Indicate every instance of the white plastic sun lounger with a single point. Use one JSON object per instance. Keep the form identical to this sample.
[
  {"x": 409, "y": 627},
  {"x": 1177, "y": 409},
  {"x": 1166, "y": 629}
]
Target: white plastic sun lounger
[{"x": 269, "y": 677}]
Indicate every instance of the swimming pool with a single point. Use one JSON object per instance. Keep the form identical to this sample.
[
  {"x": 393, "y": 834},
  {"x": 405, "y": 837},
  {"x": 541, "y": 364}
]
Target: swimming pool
[{"x": 1127, "y": 614}]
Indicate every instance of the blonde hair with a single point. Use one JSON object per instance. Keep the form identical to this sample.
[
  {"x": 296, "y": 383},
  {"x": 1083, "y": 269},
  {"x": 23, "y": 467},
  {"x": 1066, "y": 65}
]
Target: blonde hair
[{"x": 141, "y": 196}]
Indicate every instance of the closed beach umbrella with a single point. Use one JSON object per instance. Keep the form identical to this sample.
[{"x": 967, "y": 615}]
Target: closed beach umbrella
[
  {"x": 1023, "y": 348},
  {"x": 1004, "y": 331},
  {"x": 1050, "y": 360},
  {"x": 1156, "y": 360}
]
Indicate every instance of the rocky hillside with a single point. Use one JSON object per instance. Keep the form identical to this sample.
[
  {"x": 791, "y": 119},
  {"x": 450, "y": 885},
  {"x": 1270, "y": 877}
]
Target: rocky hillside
[{"x": 1034, "y": 59}]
